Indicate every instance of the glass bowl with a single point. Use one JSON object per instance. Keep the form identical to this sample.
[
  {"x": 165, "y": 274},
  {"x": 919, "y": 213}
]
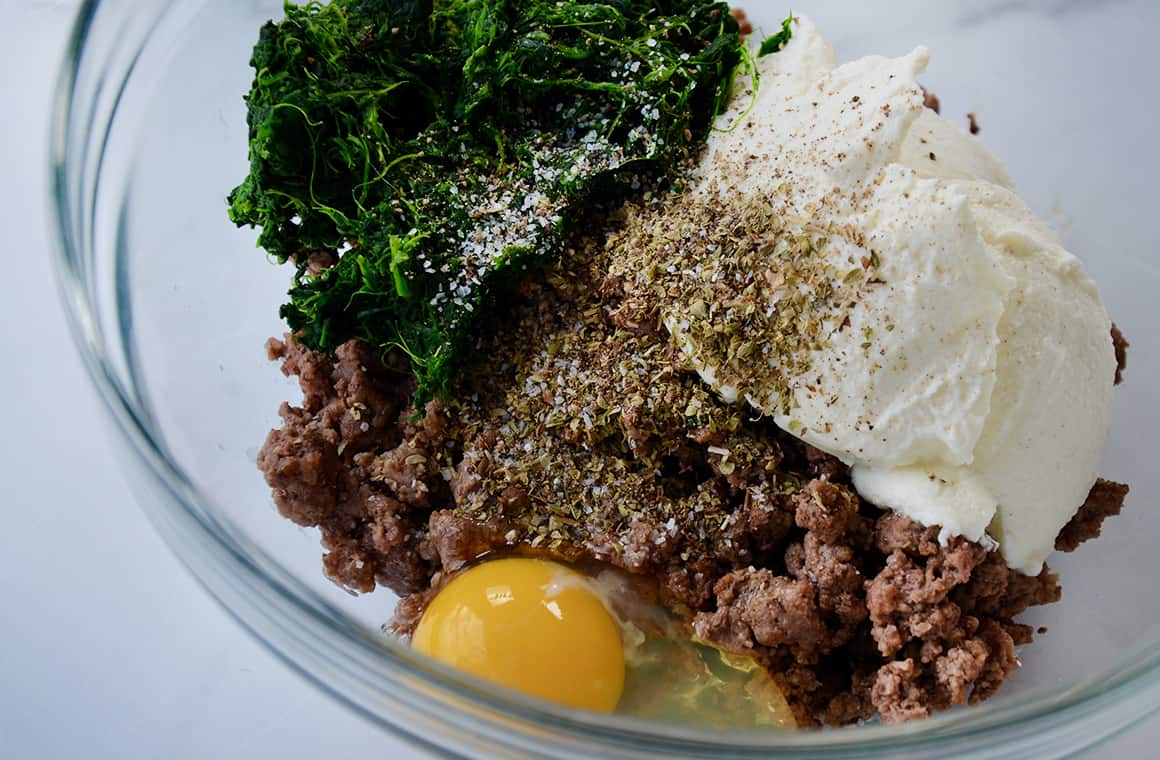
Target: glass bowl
[{"x": 170, "y": 306}]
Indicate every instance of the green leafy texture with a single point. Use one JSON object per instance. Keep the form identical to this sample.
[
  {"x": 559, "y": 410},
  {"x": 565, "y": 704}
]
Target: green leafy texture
[
  {"x": 440, "y": 150},
  {"x": 776, "y": 42}
]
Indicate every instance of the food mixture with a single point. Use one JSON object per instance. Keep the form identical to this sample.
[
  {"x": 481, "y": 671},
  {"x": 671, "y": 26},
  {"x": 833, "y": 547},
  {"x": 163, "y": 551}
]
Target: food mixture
[{"x": 799, "y": 416}]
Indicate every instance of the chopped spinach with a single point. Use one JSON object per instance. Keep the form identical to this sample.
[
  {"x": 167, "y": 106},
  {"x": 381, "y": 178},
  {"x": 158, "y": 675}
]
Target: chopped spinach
[
  {"x": 776, "y": 42},
  {"x": 432, "y": 152}
]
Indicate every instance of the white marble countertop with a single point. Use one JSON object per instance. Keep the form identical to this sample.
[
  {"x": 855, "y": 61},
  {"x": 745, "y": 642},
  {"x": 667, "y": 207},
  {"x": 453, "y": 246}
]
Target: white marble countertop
[{"x": 97, "y": 659}]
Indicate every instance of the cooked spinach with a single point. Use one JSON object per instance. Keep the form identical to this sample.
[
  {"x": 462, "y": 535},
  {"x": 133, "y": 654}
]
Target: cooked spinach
[{"x": 416, "y": 158}]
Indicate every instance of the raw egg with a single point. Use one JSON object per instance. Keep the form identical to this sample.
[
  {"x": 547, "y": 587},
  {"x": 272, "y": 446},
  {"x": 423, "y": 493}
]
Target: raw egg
[
  {"x": 599, "y": 642},
  {"x": 530, "y": 625}
]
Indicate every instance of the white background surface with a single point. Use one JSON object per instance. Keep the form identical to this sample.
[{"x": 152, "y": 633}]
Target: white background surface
[{"x": 108, "y": 648}]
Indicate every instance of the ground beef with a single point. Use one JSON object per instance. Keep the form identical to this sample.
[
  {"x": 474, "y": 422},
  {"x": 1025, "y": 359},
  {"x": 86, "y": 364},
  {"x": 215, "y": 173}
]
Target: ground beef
[
  {"x": 326, "y": 467},
  {"x": 1105, "y": 500},
  {"x": 409, "y": 611},
  {"x": 897, "y": 693},
  {"x": 455, "y": 540},
  {"x": 930, "y": 100},
  {"x": 826, "y": 466},
  {"x": 758, "y": 533},
  {"x": 1120, "y": 344},
  {"x": 895, "y": 532},
  {"x": 757, "y": 609},
  {"x": 827, "y": 511},
  {"x": 582, "y": 436},
  {"x": 997, "y": 591},
  {"x": 744, "y": 27}
]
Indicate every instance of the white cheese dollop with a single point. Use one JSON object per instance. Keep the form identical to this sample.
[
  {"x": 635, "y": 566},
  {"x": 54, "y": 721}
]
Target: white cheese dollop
[{"x": 983, "y": 402}]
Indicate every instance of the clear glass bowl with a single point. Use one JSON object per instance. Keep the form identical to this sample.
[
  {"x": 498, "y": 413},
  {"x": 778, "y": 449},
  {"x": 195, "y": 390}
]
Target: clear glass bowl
[{"x": 170, "y": 306}]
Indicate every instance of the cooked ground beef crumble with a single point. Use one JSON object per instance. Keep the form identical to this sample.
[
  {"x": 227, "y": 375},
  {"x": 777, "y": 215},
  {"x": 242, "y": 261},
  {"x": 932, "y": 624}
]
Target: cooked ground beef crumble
[{"x": 582, "y": 435}]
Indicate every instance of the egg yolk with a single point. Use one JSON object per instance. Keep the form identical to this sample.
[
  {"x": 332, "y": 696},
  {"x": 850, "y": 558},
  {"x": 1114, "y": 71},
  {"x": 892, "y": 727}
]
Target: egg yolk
[{"x": 529, "y": 625}]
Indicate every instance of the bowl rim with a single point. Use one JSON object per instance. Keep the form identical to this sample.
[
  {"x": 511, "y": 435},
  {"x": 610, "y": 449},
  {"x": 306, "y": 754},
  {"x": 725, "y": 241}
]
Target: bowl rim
[{"x": 254, "y": 589}]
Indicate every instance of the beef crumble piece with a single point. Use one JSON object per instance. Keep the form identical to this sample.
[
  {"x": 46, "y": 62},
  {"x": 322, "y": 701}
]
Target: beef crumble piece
[
  {"x": 744, "y": 27},
  {"x": 930, "y": 100},
  {"x": 333, "y": 465},
  {"x": 1120, "y": 344},
  {"x": 582, "y": 435},
  {"x": 1105, "y": 500}
]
